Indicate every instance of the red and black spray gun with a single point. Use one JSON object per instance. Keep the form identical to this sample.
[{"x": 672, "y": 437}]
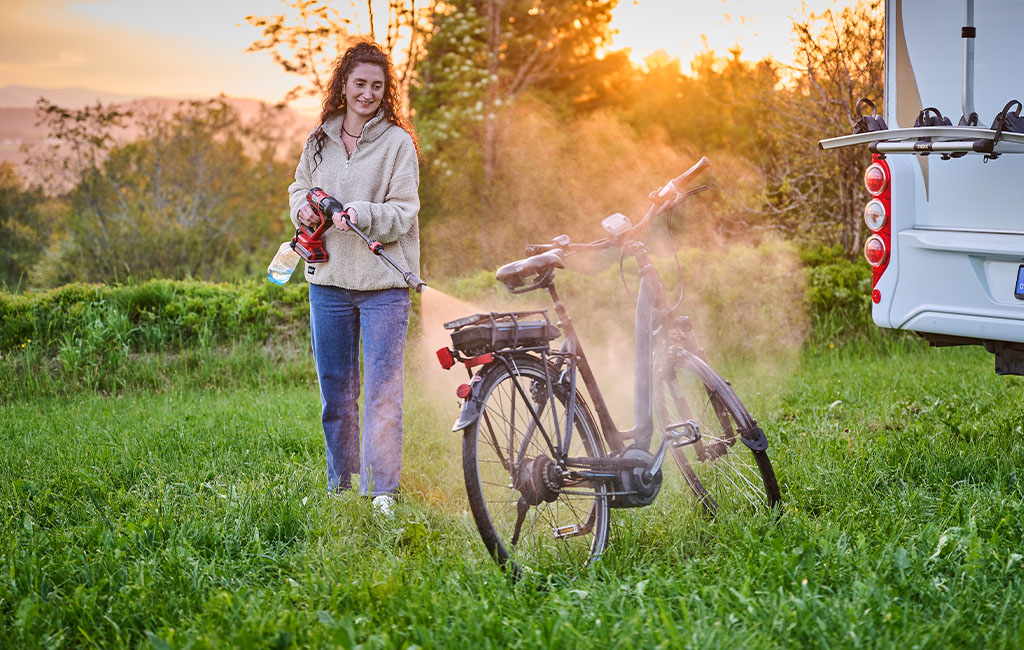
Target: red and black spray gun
[{"x": 310, "y": 245}]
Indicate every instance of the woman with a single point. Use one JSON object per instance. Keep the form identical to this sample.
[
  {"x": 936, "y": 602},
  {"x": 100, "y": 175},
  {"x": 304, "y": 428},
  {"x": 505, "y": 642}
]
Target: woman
[{"x": 363, "y": 153}]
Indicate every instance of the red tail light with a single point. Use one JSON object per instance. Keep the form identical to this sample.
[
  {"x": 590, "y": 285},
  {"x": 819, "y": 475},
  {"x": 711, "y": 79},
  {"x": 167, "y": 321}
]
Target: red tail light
[
  {"x": 875, "y": 251},
  {"x": 445, "y": 358},
  {"x": 878, "y": 217},
  {"x": 876, "y": 177}
]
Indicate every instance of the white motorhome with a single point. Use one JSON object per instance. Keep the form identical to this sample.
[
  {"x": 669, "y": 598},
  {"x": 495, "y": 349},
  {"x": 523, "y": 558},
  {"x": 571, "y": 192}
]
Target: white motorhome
[{"x": 947, "y": 213}]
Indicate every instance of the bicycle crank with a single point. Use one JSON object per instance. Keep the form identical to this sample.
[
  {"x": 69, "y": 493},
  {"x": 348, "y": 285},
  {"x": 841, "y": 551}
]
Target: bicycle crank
[{"x": 639, "y": 486}]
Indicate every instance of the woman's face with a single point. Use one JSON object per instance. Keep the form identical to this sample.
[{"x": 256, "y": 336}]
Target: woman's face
[{"x": 364, "y": 89}]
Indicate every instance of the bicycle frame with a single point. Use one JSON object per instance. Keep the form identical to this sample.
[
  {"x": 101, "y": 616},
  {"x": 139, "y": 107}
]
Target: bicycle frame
[
  {"x": 653, "y": 314},
  {"x": 651, "y": 294}
]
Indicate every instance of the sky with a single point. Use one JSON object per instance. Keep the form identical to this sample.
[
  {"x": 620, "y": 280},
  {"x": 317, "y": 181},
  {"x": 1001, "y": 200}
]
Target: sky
[{"x": 196, "y": 48}]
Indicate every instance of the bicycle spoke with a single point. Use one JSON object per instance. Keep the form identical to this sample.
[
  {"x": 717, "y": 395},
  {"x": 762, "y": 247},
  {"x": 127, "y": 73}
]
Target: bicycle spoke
[
  {"x": 568, "y": 528},
  {"x": 720, "y": 469}
]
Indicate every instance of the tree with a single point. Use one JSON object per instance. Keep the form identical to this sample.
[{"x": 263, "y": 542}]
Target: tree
[
  {"x": 307, "y": 39},
  {"x": 481, "y": 57},
  {"x": 195, "y": 195},
  {"x": 24, "y": 230},
  {"x": 810, "y": 193}
]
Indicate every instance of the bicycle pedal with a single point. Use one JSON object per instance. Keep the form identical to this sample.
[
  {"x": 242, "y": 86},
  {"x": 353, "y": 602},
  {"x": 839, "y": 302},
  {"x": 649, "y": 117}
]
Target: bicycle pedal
[
  {"x": 572, "y": 530},
  {"x": 683, "y": 433}
]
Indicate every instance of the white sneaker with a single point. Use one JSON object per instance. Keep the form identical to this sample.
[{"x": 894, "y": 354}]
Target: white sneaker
[{"x": 384, "y": 504}]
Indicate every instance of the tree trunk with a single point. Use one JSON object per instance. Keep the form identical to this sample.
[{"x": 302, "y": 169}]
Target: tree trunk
[{"x": 490, "y": 124}]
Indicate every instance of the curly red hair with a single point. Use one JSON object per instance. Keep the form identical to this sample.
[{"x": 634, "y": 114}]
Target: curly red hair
[{"x": 334, "y": 100}]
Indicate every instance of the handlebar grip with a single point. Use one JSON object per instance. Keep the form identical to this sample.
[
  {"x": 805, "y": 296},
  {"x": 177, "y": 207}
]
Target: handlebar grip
[{"x": 679, "y": 182}]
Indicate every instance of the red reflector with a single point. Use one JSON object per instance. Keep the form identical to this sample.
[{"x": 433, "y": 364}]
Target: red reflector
[
  {"x": 875, "y": 252},
  {"x": 876, "y": 296},
  {"x": 482, "y": 360},
  {"x": 445, "y": 358},
  {"x": 875, "y": 179},
  {"x": 463, "y": 391}
]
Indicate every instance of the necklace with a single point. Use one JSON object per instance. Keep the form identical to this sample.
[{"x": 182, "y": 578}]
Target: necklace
[{"x": 343, "y": 130}]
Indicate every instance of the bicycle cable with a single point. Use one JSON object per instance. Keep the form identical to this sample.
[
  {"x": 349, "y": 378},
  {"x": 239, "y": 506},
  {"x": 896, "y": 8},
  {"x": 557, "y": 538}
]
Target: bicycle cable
[{"x": 679, "y": 270}]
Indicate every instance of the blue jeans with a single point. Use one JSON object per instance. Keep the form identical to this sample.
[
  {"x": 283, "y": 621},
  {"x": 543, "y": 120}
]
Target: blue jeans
[{"x": 338, "y": 319}]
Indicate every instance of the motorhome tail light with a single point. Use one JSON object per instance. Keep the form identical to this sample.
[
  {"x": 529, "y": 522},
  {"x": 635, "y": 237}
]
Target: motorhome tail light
[
  {"x": 876, "y": 179},
  {"x": 875, "y": 251},
  {"x": 874, "y": 215},
  {"x": 878, "y": 217}
]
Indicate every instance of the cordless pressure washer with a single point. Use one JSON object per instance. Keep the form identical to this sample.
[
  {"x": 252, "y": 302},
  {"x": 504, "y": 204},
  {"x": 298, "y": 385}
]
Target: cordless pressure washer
[{"x": 310, "y": 246}]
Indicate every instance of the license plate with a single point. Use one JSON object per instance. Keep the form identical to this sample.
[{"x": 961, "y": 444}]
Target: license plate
[{"x": 1018, "y": 293}]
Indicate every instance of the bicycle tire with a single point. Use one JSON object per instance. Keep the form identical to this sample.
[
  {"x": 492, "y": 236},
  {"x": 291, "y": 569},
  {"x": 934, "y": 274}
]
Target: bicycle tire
[
  {"x": 723, "y": 472},
  {"x": 496, "y": 449}
]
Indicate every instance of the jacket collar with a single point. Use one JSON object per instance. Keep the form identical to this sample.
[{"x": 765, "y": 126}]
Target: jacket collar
[{"x": 372, "y": 130}]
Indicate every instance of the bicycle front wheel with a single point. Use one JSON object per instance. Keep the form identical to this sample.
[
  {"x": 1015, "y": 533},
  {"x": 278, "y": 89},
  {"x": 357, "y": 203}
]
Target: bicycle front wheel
[
  {"x": 528, "y": 510},
  {"x": 723, "y": 471}
]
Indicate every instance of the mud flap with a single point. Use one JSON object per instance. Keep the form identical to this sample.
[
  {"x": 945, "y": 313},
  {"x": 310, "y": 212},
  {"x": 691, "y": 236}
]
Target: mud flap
[
  {"x": 754, "y": 438},
  {"x": 470, "y": 407}
]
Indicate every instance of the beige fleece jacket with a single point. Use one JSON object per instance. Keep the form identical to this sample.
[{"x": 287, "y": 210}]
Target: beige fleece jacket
[{"x": 381, "y": 181}]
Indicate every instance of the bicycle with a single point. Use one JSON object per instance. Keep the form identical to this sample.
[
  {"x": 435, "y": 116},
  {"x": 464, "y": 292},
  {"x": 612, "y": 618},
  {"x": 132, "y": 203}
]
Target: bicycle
[{"x": 542, "y": 474}]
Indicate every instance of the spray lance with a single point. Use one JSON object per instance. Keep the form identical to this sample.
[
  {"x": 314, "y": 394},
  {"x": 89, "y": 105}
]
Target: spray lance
[{"x": 327, "y": 207}]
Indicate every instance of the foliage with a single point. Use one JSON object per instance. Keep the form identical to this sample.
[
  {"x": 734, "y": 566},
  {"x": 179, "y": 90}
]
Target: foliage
[
  {"x": 481, "y": 58},
  {"x": 811, "y": 194},
  {"x": 308, "y": 39},
  {"x": 838, "y": 294},
  {"x": 303, "y": 48},
  {"x": 149, "y": 316},
  {"x": 78, "y": 142},
  {"x": 193, "y": 196},
  {"x": 24, "y": 229},
  {"x": 91, "y": 333}
]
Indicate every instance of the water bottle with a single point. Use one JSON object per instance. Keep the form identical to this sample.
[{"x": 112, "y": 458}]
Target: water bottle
[{"x": 283, "y": 265}]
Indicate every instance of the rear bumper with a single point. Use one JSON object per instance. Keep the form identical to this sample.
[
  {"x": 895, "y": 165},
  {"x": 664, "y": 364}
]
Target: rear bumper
[{"x": 957, "y": 283}]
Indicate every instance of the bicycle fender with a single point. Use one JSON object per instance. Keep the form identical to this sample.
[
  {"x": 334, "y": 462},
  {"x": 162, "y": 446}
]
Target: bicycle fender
[{"x": 470, "y": 407}]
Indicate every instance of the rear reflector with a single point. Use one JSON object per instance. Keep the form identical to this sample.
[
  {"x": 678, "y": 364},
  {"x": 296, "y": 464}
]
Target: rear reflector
[{"x": 463, "y": 391}]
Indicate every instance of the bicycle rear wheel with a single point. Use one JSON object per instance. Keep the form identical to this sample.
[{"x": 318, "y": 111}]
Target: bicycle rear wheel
[
  {"x": 724, "y": 472},
  {"x": 527, "y": 513}
]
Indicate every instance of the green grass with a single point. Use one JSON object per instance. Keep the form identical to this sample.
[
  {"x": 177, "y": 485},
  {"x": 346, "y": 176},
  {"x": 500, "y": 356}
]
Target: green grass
[{"x": 191, "y": 512}]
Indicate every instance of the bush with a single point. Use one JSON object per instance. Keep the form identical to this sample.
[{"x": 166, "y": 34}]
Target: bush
[
  {"x": 838, "y": 296},
  {"x": 103, "y": 337},
  {"x": 157, "y": 315}
]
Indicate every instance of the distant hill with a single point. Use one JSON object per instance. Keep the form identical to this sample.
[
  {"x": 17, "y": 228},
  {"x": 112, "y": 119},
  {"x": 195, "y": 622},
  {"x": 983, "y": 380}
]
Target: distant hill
[
  {"x": 26, "y": 96},
  {"x": 19, "y": 132}
]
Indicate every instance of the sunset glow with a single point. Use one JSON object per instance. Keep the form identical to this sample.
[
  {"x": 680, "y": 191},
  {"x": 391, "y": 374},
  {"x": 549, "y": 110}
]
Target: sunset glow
[{"x": 197, "y": 48}]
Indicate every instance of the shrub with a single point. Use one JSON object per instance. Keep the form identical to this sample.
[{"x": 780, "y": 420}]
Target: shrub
[{"x": 838, "y": 295}]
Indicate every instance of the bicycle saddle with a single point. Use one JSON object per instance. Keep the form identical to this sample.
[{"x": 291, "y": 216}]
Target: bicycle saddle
[{"x": 515, "y": 274}]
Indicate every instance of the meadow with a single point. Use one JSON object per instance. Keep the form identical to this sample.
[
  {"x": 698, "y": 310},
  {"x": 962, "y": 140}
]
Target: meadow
[{"x": 175, "y": 497}]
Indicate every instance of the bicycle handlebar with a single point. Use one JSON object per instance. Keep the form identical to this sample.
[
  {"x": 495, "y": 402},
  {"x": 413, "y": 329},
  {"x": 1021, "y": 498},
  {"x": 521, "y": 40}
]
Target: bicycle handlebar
[
  {"x": 679, "y": 182},
  {"x": 663, "y": 199}
]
